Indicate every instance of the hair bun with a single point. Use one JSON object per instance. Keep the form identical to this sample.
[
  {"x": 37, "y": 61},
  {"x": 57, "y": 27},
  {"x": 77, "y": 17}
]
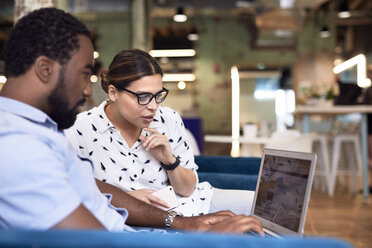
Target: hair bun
[{"x": 104, "y": 81}]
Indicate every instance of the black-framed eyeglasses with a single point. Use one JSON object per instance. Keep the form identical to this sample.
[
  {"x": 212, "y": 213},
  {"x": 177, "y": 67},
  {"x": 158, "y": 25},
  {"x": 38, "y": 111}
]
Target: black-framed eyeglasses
[{"x": 145, "y": 98}]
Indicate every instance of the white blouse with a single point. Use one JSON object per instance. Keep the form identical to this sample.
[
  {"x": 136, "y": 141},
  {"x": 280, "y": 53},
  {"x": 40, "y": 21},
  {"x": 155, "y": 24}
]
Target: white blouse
[{"x": 133, "y": 168}]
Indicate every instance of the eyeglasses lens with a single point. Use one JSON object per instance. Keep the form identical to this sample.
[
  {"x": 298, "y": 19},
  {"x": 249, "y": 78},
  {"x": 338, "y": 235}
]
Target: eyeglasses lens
[
  {"x": 144, "y": 98},
  {"x": 160, "y": 97}
]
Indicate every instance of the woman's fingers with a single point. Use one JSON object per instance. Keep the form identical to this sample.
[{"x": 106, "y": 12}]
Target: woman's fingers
[
  {"x": 146, "y": 196},
  {"x": 154, "y": 143},
  {"x": 158, "y": 145},
  {"x": 147, "y": 140}
]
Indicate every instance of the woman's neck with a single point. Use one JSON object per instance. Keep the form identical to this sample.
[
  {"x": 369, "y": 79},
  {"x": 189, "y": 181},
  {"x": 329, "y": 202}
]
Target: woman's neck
[{"x": 128, "y": 131}]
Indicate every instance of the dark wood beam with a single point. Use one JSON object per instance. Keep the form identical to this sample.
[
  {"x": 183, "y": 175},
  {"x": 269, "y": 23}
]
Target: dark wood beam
[
  {"x": 355, "y": 4},
  {"x": 354, "y": 22}
]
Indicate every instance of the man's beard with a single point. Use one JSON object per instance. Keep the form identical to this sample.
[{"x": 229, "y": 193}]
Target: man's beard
[{"x": 57, "y": 99}]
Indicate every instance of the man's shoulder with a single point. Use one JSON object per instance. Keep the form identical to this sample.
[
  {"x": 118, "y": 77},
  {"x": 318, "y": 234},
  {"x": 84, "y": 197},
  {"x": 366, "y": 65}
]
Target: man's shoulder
[
  {"x": 12, "y": 125},
  {"x": 19, "y": 135}
]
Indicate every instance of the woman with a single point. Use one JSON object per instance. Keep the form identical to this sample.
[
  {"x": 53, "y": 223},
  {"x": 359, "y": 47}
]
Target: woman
[{"x": 140, "y": 146}]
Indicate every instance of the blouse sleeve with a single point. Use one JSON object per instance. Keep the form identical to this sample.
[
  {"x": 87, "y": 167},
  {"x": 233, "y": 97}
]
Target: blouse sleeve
[{"x": 180, "y": 144}]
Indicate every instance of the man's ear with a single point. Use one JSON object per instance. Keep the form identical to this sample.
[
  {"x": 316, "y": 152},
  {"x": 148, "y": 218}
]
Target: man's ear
[
  {"x": 44, "y": 68},
  {"x": 112, "y": 92}
]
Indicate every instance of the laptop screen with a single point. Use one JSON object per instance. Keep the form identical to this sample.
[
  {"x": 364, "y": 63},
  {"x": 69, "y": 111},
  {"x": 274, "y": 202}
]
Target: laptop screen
[{"x": 282, "y": 190}]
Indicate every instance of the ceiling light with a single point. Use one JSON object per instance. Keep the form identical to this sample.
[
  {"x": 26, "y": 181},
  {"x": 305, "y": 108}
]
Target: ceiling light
[
  {"x": 180, "y": 15},
  {"x": 324, "y": 32},
  {"x": 181, "y": 85},
  {"x": 344, "y": 10},
  {"x": 193, "y": 35},
  {"x": 360, "y": 62},
  {"x": 173, "y": 53},
  {"x": 344, "y": 14},
  {"x": 96, "y": 55},
  {"x": 93, "y": 79},
  {"x": 287, "y": 4},
  {"x": 176, "y": 77},
  {"x": 2, "y": 79}
]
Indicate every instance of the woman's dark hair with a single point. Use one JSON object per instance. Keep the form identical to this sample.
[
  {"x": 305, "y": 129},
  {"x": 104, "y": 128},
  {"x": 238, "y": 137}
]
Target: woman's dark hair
[
  {"x": 128, "y": 66},
  {"x": 48, "y": 31}
]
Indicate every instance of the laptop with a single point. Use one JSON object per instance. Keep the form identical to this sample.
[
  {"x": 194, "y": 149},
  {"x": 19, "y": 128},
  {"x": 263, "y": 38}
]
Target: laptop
[{"x": 283, "y": 191}]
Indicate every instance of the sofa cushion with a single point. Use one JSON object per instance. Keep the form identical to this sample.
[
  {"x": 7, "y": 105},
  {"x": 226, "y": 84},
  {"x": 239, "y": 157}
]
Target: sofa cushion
[
  {"x": 226, "y": 172},
  {"x": 226, "y": 164},
  {"x": 229, "y": 181}
]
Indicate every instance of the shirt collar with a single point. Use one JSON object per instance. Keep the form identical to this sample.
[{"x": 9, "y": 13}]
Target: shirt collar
[
  {"x": 27, "y": 111},
  {"x": 103, "y": 122}
]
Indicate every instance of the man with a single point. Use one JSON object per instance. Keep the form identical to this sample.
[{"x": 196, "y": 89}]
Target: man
[{"x": 43, "y": 183}]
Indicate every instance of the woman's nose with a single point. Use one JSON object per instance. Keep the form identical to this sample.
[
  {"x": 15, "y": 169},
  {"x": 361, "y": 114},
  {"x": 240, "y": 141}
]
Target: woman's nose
[{"x": 152, "y": 104}]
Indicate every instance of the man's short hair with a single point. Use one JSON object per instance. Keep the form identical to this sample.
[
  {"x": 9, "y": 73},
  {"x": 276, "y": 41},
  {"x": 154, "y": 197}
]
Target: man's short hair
[{"x": 49, "y": 31}]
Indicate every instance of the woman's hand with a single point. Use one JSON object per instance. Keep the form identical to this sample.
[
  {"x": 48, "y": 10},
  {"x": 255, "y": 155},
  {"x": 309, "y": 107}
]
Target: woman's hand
[
  {"x": 182, "y": 179},
  {"x": 146, "y": 196},
  {"x": 158, "y": 145}
]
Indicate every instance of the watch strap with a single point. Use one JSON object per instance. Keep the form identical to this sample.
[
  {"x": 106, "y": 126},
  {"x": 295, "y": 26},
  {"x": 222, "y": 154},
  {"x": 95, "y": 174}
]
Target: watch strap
[
  {"x": 171, "y": 166},
  {"x": 170, "y": 218}
]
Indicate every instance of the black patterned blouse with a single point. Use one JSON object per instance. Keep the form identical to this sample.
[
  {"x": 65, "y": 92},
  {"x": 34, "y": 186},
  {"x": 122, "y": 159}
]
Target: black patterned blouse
[{"x": 132, "y": 168}]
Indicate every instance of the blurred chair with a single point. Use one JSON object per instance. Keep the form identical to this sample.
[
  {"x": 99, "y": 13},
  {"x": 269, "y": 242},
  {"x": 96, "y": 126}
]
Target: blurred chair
[
  {"x": 194, "y": 145},
  {"x": 323, "y": 170},
  {"x": 345, "y": 146},
  {"x": 353, "y": 157},
  {"x": 321, "y": 142},
  {"x": 291, "y": 140}
]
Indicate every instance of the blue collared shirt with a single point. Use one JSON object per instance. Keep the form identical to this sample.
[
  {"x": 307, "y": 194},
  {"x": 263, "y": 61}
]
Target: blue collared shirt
[{"x": 42, "y": 179}]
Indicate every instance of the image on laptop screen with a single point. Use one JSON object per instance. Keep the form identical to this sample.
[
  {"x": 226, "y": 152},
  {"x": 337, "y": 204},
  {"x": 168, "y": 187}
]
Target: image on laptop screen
[{"x": 282, "y": 190}]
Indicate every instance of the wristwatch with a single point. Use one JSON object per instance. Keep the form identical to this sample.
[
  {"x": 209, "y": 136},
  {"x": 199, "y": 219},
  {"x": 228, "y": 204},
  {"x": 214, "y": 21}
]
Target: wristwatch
[
  {"x": 171, "y": 166},
  {"x": 169, "y": 220}
]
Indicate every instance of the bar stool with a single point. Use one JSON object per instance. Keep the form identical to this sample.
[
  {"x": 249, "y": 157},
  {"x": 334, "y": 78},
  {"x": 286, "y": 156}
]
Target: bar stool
[
  {"x": 320, "y": 147},
  {"x": 338, "y": 141}
]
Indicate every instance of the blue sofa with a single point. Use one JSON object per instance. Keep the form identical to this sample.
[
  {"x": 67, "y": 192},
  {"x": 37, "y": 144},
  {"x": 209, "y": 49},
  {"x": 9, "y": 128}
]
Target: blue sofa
[
  {"x": 227, "y": 172},
  {"x": 222, "y": 172},
  {"x": 95, "y": 239}
]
